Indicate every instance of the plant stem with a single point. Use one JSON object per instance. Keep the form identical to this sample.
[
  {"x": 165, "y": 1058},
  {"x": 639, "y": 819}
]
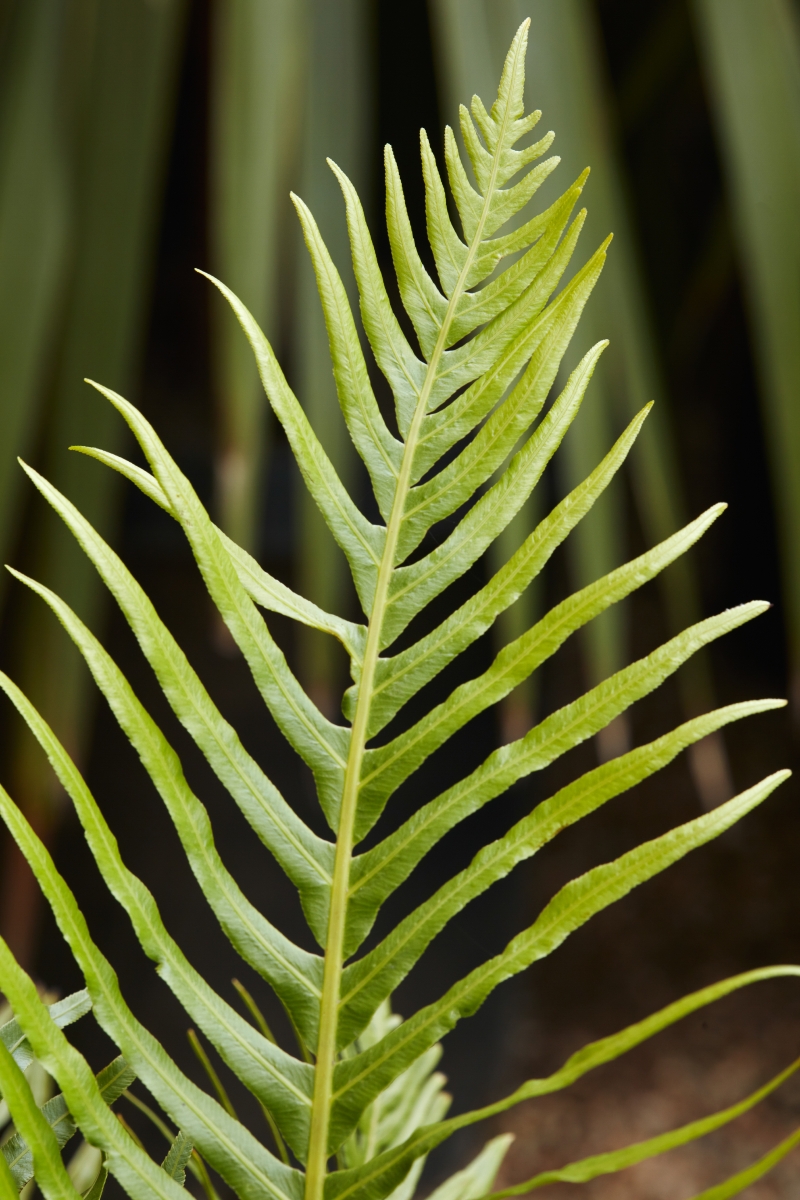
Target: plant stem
[{"x": 316, "y": 1168}]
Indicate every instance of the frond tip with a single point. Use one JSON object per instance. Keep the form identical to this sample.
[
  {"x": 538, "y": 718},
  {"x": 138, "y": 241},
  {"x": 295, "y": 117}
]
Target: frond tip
[{"x": 482, "y": 405}]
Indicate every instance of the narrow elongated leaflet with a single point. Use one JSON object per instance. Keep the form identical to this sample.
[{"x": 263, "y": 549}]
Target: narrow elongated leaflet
[
  {"x": 33, "y": 1125},
  {"x": 177, "y": 1158},
  {"x": 8, "y": 1188},
  {"x": 742, "y": 1179},
  {"x": 416, "y": 584},
  {"x": 380, "y": 451},
  {"x": 305, "y": 858},
  {"x": 111, "y": 1082},
  {"x": 619, "y": 1160},
  {"x": 322, "y": 744},
  {"x": 540, "y": 345},
  {"x": 563, "y": 729},
  {"x": 294, "y": 974},
  {"x": 366, "y": 982},
  {"x": 276, "y": 1078},
  {"x": 137, "y": 1172},
  {"x": 267, "y": 591},
  {"x": 378, "y": 1178},
  {"x": 400, "y": 676},
  {"x": 63, "y": 1012},
  {"x": 361, "y": 1077},
  {"x": 361, "y": 541},
  {"x": 240, "y": 1159}
]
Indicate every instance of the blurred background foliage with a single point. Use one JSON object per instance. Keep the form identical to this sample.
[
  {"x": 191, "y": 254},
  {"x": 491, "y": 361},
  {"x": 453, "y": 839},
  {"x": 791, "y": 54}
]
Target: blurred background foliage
[{"x": 141, "y": 138}]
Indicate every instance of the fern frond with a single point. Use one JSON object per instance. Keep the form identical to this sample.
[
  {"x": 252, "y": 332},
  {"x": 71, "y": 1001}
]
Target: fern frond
[
  {"x": 380, "y": 1175},
  {"x": 141, "y": 1177},
  {"x": 474, "y": 434},
  {"x": 619, "y": 1160},
  {"x": 358, "y": 1080},
  {"x": 241, "y": 1160},
  {"x": 62, "y": 1012},
  {"x": 306, "y": 859},
  {"x": 742, "y": 1179},
  {"x": 38, "y": 1131},
  {"x": 275, "y": 1077},
  {"x": 261, "y": 586},
  {"x": 17, "y": 1152},
  {"x": 177, "y": 1158},
  {"x": 295, "y": 975}
]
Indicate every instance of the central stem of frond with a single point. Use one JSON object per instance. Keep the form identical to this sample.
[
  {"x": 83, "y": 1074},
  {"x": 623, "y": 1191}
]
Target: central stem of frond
[{"x": 316, "y": 1169}]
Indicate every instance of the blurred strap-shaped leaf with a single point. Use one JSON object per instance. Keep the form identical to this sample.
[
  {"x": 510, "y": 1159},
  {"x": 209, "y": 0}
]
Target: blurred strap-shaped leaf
[
  {"x": 336, "y": 122},
  {"x": 34, "y": 227},
  {"x": 256, "y": 90},
  {"x": 129, "y": 57},
  {"x": 752, "y": 61}
]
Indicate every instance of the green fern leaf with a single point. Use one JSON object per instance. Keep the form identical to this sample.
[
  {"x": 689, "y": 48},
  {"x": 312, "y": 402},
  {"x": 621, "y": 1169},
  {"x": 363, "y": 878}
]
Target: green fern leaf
[
  {"x": 742, "y": 1179},
  {"x": 619, "y": 1160},
  {"x": 379, "y": 1176},
  {"x": 358, "y": 1080},
  {"x": 276, "y": 1078},
  {"x": 295, "y": 975},
  {"x": 178, "y": 1156},
  {"x": 260, "y": 586},
  {"x": 474, "y": 434},
  {"x": 475, "y": 1180},
  {"x": 140, "y": 1176},
  {"x": 235, "y": 1153},
  {"x": 112, "y": 1082},
  {"x": 36, "y": 1129},
  {"x": 63, "y": 1012}
]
